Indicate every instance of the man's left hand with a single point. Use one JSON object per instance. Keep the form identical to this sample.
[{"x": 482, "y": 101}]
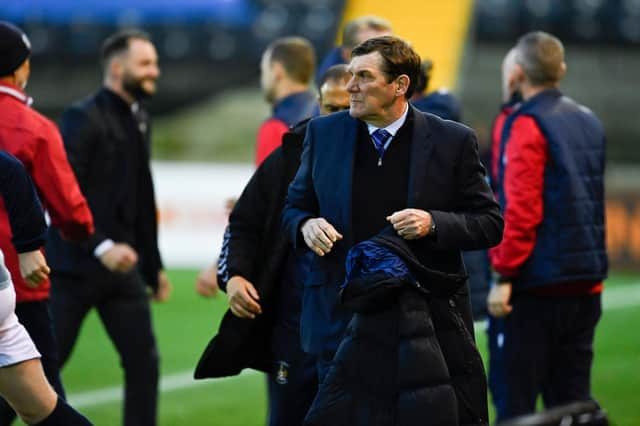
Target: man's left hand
[
  {"x": 498, "y": 300},
  {"x": 163, "y": 292},
  {"x": 411, "y": 224}
]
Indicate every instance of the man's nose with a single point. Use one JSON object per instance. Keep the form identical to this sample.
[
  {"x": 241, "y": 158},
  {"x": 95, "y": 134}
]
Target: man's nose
[{"x": 351, "y": 85}]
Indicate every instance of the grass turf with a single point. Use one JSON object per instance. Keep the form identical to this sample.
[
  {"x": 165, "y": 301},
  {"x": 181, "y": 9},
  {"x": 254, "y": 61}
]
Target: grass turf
[{"x": 185, "y": 324}]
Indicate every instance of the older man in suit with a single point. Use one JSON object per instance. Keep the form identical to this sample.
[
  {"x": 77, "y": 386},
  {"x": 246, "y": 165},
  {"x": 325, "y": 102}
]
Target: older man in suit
[{"x": 382, "y": 164}]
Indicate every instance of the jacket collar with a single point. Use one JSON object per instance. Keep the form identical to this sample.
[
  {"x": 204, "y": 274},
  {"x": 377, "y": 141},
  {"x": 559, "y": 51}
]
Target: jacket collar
[
  {"x": 115, "y": 99},
  {"x": 16, "y": 92},
  {"x": 546, "y": 94},
  {"x": 379, "y": 267},
  {"x": 434, "y": 281}
]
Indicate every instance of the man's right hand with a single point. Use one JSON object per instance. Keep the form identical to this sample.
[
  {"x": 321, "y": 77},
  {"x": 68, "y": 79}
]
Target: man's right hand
[
  {"x": 499, "y": 300},
  {"x": 243, "y": 298},
  {"x": 33, "y": 267},
  {"x": 120, "y": 258},
  {"x": 207, "y": 282},
  {"x": 319, "y": 235}
]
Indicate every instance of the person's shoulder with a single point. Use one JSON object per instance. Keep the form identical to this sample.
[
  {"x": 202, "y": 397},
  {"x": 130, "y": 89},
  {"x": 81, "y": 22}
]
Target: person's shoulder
[
  {"x": 581, "y": 109},
  {"x": 442, "y": 95},
  {"x": 271, "y": 169},
  {"x": 8, "y": 160},
  {"x": 87, "y": 109},
  {"x": 273, "y": 160},
  {"x": 440, "y": 125},
  {"x": 300, "y": 128},
  {"x": 10, "y": 166},
  {"x": 524, "y": 122},
  {"x": 329, "y": 120},
  {"x": 447, "y": 134},
  {"x": 37, "y": 124},
  {"x": 91, "y": 102},
  {"x": 273, "y": 123}
]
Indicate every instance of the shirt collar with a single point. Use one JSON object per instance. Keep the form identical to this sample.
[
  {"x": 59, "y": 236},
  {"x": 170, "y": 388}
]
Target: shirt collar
[
  {"x": 15, "y": 92},
  {"x": 393, "y": 127}
]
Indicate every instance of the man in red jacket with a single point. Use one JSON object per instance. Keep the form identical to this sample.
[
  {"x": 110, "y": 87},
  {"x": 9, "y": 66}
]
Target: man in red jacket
[
  {"x": 36, "y": 142},
  {"x": 286, "y": 72},
  {"x": 551, "y": 263}
]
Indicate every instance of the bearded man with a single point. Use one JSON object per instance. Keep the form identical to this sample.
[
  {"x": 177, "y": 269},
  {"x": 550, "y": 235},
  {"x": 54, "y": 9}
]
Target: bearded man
[{"x": 107, "y": 140}]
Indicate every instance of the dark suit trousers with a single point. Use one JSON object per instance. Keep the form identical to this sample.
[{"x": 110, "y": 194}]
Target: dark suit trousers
[
  {"x": 36, "y": 319},
  {"x": 123, "y": 306},
  {"x": 543, "y": 347},
  {"x": 292, "y": 384}
]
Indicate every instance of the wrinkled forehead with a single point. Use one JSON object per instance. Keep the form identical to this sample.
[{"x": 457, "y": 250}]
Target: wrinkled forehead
[{"x": 371, "y": 62}]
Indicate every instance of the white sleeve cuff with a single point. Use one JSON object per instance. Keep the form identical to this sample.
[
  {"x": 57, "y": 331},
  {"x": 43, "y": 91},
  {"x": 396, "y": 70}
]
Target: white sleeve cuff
[{"x": 103, "y": 247}]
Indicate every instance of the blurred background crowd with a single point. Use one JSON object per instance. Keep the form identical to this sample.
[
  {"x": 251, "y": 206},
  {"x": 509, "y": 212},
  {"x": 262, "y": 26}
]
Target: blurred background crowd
[{"x": 210, "y": 53}]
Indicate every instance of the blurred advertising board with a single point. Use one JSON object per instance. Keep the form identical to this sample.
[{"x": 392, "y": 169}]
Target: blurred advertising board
[{"x": 191, "y": 200}]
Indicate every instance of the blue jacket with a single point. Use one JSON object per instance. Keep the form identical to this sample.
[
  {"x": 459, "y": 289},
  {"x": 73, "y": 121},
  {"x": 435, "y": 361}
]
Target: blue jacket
[
  {"x": 334, "y": 57},
  {"x": 441, "y": 103},
  {"x": 570, "y": 241},
  {"x": 294, "y": 108}
]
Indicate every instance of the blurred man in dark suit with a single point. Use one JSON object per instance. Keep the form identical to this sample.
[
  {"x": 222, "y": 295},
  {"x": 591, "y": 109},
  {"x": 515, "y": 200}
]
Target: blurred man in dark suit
[{"x": 107, "y": 139}]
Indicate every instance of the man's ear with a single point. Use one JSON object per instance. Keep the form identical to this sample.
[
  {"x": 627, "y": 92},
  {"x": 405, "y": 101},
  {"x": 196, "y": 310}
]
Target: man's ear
[
  {"x": 345, "y": 52},
  {"x": 513, "y": 83},
  {"x": 563, "y": 70},
  {"x": 402, "y": 83},
  {"x": 277, "y": 71},
  {"x": 518, "y": 74},
  {"x": 115, "y": 68}
]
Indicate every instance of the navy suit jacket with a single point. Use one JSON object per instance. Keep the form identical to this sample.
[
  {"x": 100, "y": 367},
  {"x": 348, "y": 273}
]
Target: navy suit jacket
[{"x": 446, "y": 178}]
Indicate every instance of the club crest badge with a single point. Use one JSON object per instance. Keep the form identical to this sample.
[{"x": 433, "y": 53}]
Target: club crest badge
[{"x": 282, "y": 373}]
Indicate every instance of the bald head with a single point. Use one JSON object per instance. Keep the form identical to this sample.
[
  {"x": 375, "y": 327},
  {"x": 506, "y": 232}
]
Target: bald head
[
  {"x": 363, "y": 28},
  {"x": 508, "y": 67},
  {"x": 333, "y": 95},
  {"x": 541, "y": 57}
]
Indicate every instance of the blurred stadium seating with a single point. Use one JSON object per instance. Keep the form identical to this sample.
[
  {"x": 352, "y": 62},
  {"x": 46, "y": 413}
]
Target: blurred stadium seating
[
  {"x": 205, "y": 46},
  {"x": 208, "y": 47},
  {"x": 581, "y": 21}
]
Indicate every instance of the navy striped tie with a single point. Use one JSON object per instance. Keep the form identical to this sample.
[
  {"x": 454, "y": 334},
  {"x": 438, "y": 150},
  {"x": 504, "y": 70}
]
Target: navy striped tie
[{"x": 380, "y": 138}]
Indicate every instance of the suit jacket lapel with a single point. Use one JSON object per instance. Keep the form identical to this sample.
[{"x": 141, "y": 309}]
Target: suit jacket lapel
[
  {"x": 421, "y": 147},
  {"x": 346, "y": 150}
]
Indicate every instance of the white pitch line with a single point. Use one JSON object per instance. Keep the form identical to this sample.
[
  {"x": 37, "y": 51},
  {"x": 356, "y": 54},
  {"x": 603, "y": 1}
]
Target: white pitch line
[
  {"x": 613, "y": 298},
  {"x": 168, "y": 383},
  {"x": 621, "y": 296}
]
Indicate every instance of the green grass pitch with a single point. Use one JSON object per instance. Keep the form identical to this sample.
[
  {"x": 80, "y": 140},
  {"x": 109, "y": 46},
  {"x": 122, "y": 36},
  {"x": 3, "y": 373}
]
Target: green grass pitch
[{"x": 185, "y": 324}]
